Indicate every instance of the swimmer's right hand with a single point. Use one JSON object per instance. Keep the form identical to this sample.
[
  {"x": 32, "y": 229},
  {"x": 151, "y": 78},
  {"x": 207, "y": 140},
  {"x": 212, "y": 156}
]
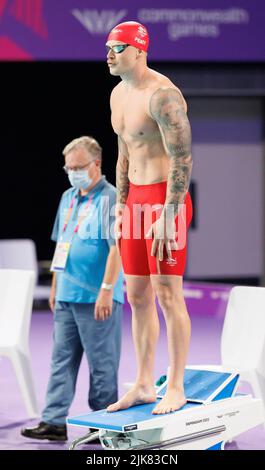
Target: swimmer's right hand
[{"x": 117, "y": 231}]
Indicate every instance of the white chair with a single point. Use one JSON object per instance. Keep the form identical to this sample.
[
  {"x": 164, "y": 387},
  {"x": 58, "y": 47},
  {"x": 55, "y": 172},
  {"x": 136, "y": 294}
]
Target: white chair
[
  {"x": 21, "y": 254},
  {"x": 243, "y": 338},
  {"x": 16, "y": 297}
]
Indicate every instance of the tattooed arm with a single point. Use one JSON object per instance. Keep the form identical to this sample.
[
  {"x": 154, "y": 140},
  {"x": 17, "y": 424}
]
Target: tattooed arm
[
  {"x": 122, "y": 184},
  {"x": 122, "y": 179},
  {"x": 167, "y": 109}
]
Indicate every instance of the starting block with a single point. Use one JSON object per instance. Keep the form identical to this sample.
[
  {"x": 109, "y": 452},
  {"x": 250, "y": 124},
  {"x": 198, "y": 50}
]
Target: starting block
[{"x": 214, "y": 414}]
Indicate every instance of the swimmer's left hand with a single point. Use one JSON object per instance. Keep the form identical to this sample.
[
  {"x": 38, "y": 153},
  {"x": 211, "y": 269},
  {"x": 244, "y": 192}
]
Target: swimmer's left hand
[
  {"x": 163, "y": 237},
  {"x": 103, "y": 306}
]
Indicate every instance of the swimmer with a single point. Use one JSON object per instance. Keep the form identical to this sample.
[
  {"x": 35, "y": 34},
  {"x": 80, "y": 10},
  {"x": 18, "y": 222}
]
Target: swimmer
[{"x": 149, "y": 116}]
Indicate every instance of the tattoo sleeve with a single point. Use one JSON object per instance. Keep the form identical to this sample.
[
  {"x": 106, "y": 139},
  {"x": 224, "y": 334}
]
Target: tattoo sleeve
[
  {"x": 167, "y": 109},
  {"x": 122, "y": 179}
]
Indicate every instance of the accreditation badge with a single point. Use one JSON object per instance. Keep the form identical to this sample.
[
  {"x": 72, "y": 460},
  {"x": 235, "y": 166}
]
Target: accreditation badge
[{"x": 60, "y": 256}]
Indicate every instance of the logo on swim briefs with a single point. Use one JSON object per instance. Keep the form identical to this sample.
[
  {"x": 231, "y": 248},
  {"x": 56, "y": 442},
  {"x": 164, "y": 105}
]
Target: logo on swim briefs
[
  {"x": 140, "y": 41},
  {"x": 99, "y": 22},
  {"x": 171, "y": 261}
]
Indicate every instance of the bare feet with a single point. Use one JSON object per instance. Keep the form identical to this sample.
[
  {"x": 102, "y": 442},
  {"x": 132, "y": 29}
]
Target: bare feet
[
  {"x": 172, "y": 401},
  {"x": 136, "y": 396}
]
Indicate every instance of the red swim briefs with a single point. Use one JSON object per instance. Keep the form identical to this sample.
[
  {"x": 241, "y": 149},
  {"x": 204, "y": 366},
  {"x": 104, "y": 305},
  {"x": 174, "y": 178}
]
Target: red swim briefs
[{"x": 137, "y": 218}]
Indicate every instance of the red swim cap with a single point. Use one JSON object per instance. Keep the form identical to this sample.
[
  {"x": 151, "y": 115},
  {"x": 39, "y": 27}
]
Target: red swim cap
[{"x": 132, "y": 33}]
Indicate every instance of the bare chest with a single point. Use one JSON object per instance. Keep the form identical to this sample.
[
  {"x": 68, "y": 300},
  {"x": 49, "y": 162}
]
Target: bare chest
[{"x": 131, "y": 120}]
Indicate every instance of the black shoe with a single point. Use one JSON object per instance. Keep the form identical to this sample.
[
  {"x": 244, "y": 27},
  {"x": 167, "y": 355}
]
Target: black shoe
[{"x": 51, "y": 432}]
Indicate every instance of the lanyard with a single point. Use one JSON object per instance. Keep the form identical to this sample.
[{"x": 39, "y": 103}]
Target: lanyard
[
  {"x": 62, "y": 248},
  {"x": 80, "y": 219}
]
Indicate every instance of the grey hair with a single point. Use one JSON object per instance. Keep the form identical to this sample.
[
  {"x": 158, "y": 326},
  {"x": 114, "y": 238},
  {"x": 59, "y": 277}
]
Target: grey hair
[{"x": 90, "y": 144}]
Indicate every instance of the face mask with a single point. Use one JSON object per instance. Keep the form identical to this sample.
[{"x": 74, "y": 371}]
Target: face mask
[{"x": 79, "y": 179}]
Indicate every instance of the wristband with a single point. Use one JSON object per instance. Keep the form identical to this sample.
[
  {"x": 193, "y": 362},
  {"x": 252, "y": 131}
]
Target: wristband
[{"x": 106, "y": 286}]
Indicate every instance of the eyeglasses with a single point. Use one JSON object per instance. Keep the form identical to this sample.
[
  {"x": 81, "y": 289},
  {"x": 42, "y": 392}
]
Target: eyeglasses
[
  {"x": 77, "y": 168},
  {"x": 117, "y": 48}
]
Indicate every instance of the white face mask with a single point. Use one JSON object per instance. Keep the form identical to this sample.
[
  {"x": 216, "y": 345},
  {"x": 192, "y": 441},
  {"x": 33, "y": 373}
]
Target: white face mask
[{"x": 79, "y": 179}]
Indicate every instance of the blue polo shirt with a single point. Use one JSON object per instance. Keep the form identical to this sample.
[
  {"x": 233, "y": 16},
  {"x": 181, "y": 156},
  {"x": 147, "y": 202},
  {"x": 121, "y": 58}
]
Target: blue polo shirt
[{"x": 82, "y": 277}]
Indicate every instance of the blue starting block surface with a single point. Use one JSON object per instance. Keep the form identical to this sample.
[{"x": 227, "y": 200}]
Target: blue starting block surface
[
  {"x": 204, "y": 386},
  {"x": 123, "y": 420},
  {"x": 201, "y": 387}
]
